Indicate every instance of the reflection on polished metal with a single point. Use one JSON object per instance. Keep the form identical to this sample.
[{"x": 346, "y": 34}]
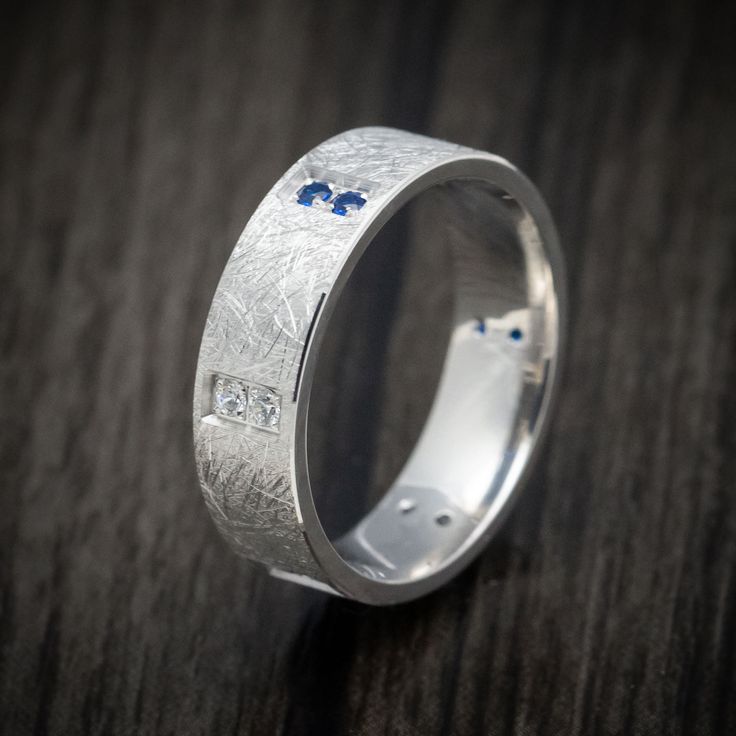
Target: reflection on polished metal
[{"x": 271, "y": 312}]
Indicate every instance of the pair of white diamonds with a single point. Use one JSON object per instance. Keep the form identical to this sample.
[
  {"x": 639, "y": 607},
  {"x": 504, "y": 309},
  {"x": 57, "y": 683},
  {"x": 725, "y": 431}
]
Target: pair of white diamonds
[{"x": 245, "y": 402}]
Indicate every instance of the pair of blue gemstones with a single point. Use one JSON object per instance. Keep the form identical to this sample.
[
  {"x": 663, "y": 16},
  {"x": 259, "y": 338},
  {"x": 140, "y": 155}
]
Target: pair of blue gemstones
[
  {"x": 341, "y": 205},
  {"x": 515, "y": 333}
]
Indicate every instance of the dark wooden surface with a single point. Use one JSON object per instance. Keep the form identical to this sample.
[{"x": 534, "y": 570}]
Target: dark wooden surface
[{"x": 136, "y": 140}]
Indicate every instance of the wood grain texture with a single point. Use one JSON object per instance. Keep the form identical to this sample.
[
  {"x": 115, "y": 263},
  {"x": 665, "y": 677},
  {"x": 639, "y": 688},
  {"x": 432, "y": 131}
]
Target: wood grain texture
[{"x": 136, "y": 139}]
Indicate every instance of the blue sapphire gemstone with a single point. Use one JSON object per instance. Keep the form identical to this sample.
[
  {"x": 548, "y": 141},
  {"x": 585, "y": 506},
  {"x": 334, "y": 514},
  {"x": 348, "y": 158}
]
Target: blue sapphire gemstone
[
  {"x": 307, "y": 194},
  {"x": 347, "y": 201},
  {"x": 516, "y": 334}
]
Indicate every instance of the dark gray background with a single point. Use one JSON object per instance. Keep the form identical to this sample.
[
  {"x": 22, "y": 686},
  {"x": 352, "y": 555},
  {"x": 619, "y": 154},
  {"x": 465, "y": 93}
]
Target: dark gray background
[{"x": 136, "y": 139}]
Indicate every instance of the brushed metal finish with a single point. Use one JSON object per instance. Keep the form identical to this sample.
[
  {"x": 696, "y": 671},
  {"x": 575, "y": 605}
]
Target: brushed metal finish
[{"x": 289, "y": 260}]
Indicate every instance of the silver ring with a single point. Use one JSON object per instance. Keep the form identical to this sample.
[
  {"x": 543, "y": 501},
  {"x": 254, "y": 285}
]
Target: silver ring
[{"x": 274, "y": 305}]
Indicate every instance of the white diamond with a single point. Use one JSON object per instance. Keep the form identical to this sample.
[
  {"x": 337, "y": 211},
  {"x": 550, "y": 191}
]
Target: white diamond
[
  {"x": 264, "y": 408},
  {"x": 230, "y": 397}
]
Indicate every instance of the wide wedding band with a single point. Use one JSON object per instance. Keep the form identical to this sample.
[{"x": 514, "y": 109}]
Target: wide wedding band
[{"x": 274, "y": 307}]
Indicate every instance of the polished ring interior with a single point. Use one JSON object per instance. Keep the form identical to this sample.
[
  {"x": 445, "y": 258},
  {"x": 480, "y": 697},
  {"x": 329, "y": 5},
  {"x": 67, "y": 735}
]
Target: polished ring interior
[
  {"x": 491, "y": 387},
  {"x": 269, "y": 318}
]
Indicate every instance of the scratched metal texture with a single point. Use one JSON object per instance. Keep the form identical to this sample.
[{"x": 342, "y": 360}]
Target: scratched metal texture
[
  {"x": 286, "y": 258},
  {"x": 136, "y": 140}
]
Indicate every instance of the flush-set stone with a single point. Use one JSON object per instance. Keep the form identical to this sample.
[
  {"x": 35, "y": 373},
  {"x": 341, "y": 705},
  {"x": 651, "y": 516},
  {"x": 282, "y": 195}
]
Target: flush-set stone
[
  {"x": 245, "y": 402},
  {"x": 319, "y": 192},
  {"x": 347, "y": 202},
  {"x": 264, "y": 408},
  {"x": 230, "y": 397}
]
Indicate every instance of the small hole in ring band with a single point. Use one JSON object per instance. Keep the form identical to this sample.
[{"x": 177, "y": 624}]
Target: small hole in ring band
[
  {"x": 406, "y": 505},
  {"x": 443, "y": 518}
]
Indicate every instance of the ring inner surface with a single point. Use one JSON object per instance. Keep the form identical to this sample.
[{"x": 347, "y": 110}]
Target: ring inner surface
[{"x": 429, "y": 380}]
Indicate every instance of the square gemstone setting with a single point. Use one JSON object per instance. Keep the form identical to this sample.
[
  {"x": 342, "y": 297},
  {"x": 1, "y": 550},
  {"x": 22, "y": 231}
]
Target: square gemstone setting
[
  {"x": 229, "y": 397},
  {"x": 244, "y": 402},
  {"x": 325, "y": 191},
  {"x": 264, "y": 407}
]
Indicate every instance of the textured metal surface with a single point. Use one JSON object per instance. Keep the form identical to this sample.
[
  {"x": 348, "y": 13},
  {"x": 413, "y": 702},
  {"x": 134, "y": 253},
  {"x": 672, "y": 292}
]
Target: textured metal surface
[
  {"x": 607, "y": 604},
  {"x": 286, "y": 258}
]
